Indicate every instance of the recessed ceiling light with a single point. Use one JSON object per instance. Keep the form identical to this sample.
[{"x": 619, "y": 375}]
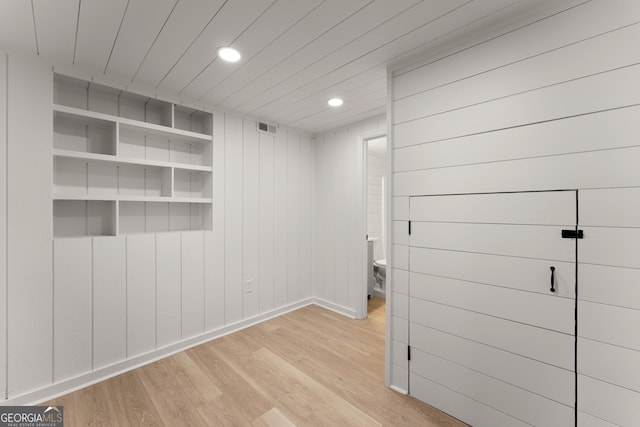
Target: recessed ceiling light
[
  {"x": 229, "y": 54},
  {"x": 335, "y": 102}
]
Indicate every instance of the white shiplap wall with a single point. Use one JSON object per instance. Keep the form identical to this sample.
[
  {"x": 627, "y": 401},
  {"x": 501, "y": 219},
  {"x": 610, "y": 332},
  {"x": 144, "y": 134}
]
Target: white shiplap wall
[
  {"x": 376, "y": 170},
  {"x": 81, "y": 309},
  {"x": 29, "y": 228},
  {"x": 339, "y": 215},
  {"x": 551, "y": 105}
]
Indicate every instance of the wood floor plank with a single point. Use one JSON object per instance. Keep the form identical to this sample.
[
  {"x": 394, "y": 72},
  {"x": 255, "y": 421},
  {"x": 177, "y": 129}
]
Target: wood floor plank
[
  {"x": 173, "y": 392},
  {"x": 234, "y": 388},
  {"x": 134, "y": 406},
  {"x": 310, "y": 367},
  {"x": 224, "y": 411},
  {"x": 93, "y": 407},
  {"x": 273, "y": 418},
  {"x": 339, "y": 411}
]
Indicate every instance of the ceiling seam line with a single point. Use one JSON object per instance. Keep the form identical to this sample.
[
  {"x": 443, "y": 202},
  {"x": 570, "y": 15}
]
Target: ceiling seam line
[
  {"x": 75, "y": 42},
  {"x": 353, "y": 115},
  {"x": 155, "y": 40},
  {"x": 35, "y": 29},
  {"x": 115, "y": 40}
]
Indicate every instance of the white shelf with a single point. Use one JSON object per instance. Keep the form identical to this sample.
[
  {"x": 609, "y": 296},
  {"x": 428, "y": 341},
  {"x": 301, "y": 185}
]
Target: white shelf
[
  {"x": 127, "y": 161},
  {"x": 198, "y": 200},
  {"x": 60, "y": 111},
  {"x": 126, "y": 198},
  {"x": 132, "y": 124}
]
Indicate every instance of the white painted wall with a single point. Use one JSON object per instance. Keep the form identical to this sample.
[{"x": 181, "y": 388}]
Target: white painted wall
[
  {"x": 376, "y": 171},
  {"x": 81, "y": 309},
  {"x": 3, "y": 220},
  {"x": 551, "y": 105},
  {"x": 29, "y": 225},
  {"x": 339, "y": 215}
]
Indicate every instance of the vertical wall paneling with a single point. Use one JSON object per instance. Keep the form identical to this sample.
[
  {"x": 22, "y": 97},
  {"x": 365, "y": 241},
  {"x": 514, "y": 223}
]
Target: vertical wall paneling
[
  {"x": 109, "y": 301},
  {"x": 376, "y": 167},
  {"x": 342, "y": 204},
  {"x": 3, "y": 225},
  {"x": 267, "y": 222},
  {"x": 251, "y": 220},
  {"x": 233, "y": 218},
  {"x": 492, "y": 117},
  {"x": 399, "y": 295},
  {"x": 338, "y": 211},
  {"x": 72, "y": 304},
  {"x": 357, "y": 219},
  {"x": 192, "y": 264},
  {"x": 215, "y": 240},
  {"x": 169, "y": 290},
  {"x": 305, "y": 217},
  {"x": 29, "y": 230},
  {"x": 396, "y": 209},
  {"x": 317, "y": 232},
  {"x": 326, "y": 218},
  {"x": 293, "y": 220},
  {"x": 280, "y": 218},
  {"x": 141, "y": 294}
]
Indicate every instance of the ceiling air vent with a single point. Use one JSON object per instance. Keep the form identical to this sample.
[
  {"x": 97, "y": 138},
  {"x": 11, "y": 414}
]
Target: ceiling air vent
[{"x": 266, "y": 128}]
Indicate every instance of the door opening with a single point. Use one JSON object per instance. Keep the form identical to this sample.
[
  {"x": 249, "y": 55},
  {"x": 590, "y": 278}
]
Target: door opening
[{"x": 375, "y": 212}]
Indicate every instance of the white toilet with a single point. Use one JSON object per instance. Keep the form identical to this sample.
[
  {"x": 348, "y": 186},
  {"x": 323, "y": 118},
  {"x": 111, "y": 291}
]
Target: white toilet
[
  {"x": 377, "y": 272},
  {"x": 380, "y": 274}
]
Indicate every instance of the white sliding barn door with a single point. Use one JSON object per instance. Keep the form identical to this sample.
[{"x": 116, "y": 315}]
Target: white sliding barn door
[{"x": 490, "y": 343}]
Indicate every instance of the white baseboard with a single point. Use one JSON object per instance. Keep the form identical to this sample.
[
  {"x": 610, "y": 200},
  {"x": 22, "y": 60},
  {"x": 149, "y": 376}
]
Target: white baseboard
[
  {"x": 345, "y": 311},
  {"x": 380, "y": 293},
  {"x": 398, "y": 390},
  {"x": 64, "y": 387}
]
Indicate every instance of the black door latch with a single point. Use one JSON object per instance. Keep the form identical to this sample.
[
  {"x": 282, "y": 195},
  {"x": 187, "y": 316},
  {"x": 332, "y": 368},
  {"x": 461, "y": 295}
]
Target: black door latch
[{"x": 572, "y": 234}]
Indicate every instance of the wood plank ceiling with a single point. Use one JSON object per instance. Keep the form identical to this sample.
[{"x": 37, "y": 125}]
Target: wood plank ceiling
[{"x": 296, "y": 54}]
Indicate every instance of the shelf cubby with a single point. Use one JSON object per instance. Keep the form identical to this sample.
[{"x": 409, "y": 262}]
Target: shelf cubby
[
  {"x": 191, "y": 184},
  {"x": 81, "y": 218},
  {"x": 84, "y": 134},
  {"x": 192, "y": 120},
  {"x": 155, "y": 217}
]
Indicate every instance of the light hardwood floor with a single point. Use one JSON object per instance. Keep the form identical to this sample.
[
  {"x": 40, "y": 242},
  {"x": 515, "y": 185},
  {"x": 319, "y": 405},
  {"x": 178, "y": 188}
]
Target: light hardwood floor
[{"x": 311, "y": 367}]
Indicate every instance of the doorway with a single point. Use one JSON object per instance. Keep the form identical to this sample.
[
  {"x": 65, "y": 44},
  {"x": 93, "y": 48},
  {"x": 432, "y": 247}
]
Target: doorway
[
  {"x": 375, "y": 219},
  {"x": 492, "y": 299}
]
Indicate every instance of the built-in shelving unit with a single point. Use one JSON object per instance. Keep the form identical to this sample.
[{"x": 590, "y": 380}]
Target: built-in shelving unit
[{"x": 126, "y": 163}]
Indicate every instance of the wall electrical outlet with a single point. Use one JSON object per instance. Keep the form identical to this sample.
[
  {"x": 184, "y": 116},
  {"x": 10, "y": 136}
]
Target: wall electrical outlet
[{"x": 248, "y": 286}]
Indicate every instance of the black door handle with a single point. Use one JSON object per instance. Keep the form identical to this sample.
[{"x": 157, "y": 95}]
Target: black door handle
[{"x": 553, "y": 289}]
